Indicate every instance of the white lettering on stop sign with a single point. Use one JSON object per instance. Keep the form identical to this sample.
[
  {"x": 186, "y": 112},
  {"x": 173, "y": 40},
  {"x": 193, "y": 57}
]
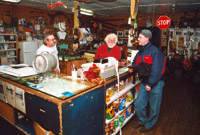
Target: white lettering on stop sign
[{"x": 163, "y": 22}]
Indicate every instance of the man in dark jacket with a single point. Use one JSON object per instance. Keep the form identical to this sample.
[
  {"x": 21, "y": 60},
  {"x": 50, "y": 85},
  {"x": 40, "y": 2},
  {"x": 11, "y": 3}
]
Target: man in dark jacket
[{"x": 150, "y": 64}]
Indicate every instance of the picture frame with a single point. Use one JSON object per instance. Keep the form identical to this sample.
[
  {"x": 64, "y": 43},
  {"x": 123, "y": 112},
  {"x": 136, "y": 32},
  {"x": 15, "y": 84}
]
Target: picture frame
[
  {"x": 120, "y": 33},
  {"x": 126, "y": 33},
  {"x": 148, "y": 22},
  {"x": 178, "y": 33}
]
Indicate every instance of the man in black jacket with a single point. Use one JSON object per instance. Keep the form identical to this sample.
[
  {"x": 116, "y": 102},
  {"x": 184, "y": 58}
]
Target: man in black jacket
[{"x": 150, "y": 64}]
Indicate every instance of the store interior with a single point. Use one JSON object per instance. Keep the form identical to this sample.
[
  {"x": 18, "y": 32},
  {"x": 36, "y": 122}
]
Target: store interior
[{"x": 22, "y": 27}]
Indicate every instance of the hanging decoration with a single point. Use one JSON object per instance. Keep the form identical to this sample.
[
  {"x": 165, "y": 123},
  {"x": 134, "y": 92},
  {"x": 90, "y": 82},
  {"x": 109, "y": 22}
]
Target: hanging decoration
[{"x": 58, "y": 3}]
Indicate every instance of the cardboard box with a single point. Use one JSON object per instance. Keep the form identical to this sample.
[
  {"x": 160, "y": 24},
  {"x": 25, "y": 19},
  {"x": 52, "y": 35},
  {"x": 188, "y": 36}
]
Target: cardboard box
[
  {"x": 39, "y": 130},
  {"x": 4, "y": 60}
]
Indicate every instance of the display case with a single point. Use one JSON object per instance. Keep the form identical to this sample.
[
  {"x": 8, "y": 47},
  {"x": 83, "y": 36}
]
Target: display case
[{"x": 9, "y": 47}]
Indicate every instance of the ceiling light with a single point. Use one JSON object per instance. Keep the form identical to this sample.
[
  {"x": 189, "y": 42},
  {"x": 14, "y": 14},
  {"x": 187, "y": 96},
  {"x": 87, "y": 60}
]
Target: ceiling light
[
  {"x": 13, "y": 1},
  {"x": 85, "y": 11}
]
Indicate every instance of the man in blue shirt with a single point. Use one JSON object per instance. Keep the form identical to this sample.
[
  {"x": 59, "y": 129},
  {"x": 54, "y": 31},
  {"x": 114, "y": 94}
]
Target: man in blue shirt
[{"x": 150, "y": 64}]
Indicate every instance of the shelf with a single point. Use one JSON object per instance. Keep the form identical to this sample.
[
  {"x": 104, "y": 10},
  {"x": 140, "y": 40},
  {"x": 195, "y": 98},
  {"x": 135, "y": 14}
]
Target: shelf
[
  {"x": 9, "y": 57},
  {"x": 7, "y": 34},
  {"x": 119, "y": 112},
  {"x": 7, "y": 42},
  {"x": 120, "y": 127},
  {"x": 8, "y": 50},
  {"x": 120, "y": 93}
]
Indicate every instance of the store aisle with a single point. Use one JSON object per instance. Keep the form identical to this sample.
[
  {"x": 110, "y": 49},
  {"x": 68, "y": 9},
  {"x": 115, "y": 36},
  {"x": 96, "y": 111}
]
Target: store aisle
[{"x": 180, "y": 110}]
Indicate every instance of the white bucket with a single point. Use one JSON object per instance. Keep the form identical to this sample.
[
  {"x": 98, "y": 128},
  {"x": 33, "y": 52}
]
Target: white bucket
[{"x": 44, "y": 63}]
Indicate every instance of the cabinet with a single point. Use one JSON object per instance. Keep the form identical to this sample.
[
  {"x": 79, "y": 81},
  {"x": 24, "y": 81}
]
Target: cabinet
[{"x": 9, "y": 47}]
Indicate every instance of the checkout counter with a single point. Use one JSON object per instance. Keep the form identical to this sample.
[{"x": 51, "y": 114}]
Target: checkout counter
[{"x": 56, "y": 103}]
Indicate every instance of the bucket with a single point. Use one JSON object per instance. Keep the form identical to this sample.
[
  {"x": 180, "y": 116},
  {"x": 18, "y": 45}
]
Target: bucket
[{"x": 44, "y": 63}]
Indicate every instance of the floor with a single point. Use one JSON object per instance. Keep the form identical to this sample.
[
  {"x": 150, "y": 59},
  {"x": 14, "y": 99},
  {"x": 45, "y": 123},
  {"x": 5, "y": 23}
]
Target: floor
[{"x": 180, "y": 109}]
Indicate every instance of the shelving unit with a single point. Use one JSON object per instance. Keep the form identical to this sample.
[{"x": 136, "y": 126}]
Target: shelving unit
[
  {"x": 9, "y": 47},
  {"x": 129, "y": 86}
]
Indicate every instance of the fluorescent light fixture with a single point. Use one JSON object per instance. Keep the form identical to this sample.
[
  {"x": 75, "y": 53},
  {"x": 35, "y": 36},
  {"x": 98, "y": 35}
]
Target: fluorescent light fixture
[
  {"x": 13, "y": 1},
  {"x": 85, "y": 11}
]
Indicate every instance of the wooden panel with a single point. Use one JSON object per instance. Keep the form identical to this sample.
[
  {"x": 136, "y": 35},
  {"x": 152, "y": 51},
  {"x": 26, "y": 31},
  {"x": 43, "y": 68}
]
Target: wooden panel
[
  {"x": 66, "y": 65},
  {"x": 7, "y": 111}
]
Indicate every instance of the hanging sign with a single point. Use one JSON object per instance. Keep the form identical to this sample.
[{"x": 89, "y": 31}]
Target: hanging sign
[{"x": 163, "y": 22}]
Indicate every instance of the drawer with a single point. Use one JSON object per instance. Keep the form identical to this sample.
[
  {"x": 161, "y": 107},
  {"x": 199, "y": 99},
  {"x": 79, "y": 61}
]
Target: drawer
[{"x": 43, "y": 112}]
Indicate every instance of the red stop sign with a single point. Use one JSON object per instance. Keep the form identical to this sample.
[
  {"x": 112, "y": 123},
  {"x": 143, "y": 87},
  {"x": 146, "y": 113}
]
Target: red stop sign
[{"x": 163, "y": 22}]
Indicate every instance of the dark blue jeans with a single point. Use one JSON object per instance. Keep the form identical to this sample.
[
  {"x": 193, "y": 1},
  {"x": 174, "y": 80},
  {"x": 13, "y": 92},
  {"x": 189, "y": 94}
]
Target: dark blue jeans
[{"x": 154, "y": 98}]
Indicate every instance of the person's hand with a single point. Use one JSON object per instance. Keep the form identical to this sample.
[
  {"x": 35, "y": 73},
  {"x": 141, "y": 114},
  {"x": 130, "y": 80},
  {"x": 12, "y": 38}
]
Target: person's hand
[
  {"x": 56, "y": 70},
  {"x": 130, "y": 69},
  {"x": 147, "y": 88}
]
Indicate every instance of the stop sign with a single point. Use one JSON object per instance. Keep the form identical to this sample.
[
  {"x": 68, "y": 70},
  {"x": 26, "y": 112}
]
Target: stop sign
[{"x": 163, "y": 22}]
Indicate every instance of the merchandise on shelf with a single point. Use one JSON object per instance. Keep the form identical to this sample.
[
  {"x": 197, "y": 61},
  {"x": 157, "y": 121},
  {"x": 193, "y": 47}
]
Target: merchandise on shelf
[
  {"x": 110, "y": 113},
  {"x": 122, "y": 101},
  {"x": 116, "y": 106},
  {"x": 116, "y": 122},
  {"x": 112, "y": 127},
  {"x": 121, "y": 119},
  {"x": 107, "y": 98},
  {"x": 128, "y": 111},
  {"x": 129, "y": 96}
]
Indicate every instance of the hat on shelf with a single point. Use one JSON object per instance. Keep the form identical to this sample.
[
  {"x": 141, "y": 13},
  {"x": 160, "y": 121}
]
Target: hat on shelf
[
  {"x": 62, "y": 26},
  {"x": 147, "y": 33}
]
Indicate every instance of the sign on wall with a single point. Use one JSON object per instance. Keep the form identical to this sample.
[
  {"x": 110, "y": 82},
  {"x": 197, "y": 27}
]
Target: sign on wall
[{"x": 163, "y": 22}]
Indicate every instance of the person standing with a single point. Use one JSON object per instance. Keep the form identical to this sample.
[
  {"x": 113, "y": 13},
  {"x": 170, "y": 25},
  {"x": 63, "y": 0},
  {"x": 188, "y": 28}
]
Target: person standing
[
  {"x": 150, "y": 64},
  {"x": 110, "y": 49},
  {"x": 49, "y": 47}
]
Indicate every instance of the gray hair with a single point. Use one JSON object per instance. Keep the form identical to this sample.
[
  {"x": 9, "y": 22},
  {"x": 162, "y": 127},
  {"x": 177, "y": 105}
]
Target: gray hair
[
  {"x": 111, "y": 35},
  {"x": 46, "y": 37}
]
